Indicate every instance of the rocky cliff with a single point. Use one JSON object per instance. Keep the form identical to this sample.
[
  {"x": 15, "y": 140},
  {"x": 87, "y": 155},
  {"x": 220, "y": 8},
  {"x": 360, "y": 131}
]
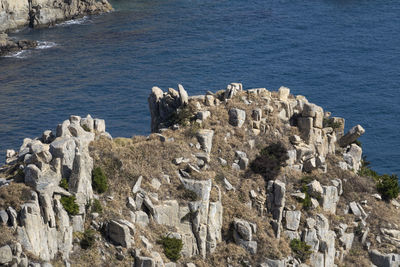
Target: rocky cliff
[
  {"x": 18, "y": 13},
  {"x": 232, "y": 178}
]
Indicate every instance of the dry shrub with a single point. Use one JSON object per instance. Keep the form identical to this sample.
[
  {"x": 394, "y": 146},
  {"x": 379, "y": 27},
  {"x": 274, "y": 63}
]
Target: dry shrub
[
  {"x": 14, "y": 195},
  {"x": 7, "y": 235}
]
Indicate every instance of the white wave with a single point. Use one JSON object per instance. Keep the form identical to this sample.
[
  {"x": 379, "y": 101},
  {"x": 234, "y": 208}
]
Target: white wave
[
  {"x": 74, "y": 22},
  {"x": 45, "y": 45},
  {"x": 19, "y": 54}
]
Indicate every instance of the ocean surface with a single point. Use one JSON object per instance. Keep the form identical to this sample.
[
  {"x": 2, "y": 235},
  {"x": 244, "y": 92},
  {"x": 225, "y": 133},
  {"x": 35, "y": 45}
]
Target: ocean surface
[{"x": 343, "y": 55}]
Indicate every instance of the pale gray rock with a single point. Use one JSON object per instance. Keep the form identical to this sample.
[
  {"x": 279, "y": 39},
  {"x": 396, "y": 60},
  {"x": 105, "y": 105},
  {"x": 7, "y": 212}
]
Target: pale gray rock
[
  {"x": 283, "y": 93},
  {"x": 99, "y": 125},
  {"x": 310, "y": 165},
  {"x": 292, "y": 219},
  {"x": 339, "y": 185},
  {"x": 131, "y": 204},
  {"x": 3, "y": 217},
  {"x": 314, "y": 188},
  {"x": 6, "y": 255},
  {"x": 256, "y": 114},
  {"x": 137, "y": 185},
  {"x": 183, "y": 95},
  {"x": 355, "y": 209},
  {"x": 12, "y": 217},
  {"x": 62, "y": 129},
  {"x": 351, "y": 136},
  {"x": 237, "y": 117},
  {"x": 232, "y": 89},
  {"x": 141, "y": 218},
  {"x": 330, "y": 199},
  {"x": 228, "y": 186},
  {"x": 141, "y": 261},
  {"x": 273, "y": 263},
  {"x": 276, "y": 191},
  {"x": 203, "y": 115},
  {"x": 64, "y": 148},
  {"x": 205, "y": 138},
  {"x": 87, "y": 123}
]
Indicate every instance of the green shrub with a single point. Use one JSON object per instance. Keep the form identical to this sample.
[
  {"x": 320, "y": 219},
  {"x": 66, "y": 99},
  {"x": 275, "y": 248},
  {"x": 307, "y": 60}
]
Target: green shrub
[
  {"x": 388, "y": 186},
  {"x": 86, "y": 128},
  {"x": 301, "y": 249},
  {"x": 172, "y": 247},
  {"x": 307, "y": 204},
  {"x": 330, "y": 122},
  {"x": 96, "y": 206},
  {"x": 69, "y": 204},
  {"x": 99, "y": 180},
  {"x": 64, "y": 183},
  {"x": 88, "y": 239},
  {"x": 181, "y": 116},
  {"x": 270, "y": 160}
]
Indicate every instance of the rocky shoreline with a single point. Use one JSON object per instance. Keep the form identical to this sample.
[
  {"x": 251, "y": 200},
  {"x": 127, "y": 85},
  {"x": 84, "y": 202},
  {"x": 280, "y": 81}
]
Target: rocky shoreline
[
  {"x": 15, "y": 14},
  {"x": 232, "y": 178}
]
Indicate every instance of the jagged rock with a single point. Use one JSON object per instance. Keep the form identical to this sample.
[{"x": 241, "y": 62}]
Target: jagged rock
[
  {"x": 131, "y": 204},
  {"x": 64, "y": 148},
  {"x": 137, "y": 185},
  {"x": 141, "y": 218},
  {"x": 330, "y": 199},
  {"x": 3, "y": 217},
  {"x": 283, "y": 93},
  {"x": 232, "y": 89},
  {"x": 119, "y": 233},
  {"x": 384, "y": 260},
  {"x": 355, "y": 209},
  {"x": 228, "y": 186},
  {"x": 353, "y": 157},
  {"x": 276, "y": 191},
  {"x": 141, "y": 261},
  {"x": 205, "y": 138},
  {"x": 310, "y": 165},
  {"x": 351, "y": 136},
  {"x": 12, "y": 217},
  {"x": 292, "y": 219},
  {"x": 339, "y": 185},
  {"x": 346, "y": 240},
  {"x": 273, "y": 263},
  {"x": 243, "y": 235},
  {"x": 314, "y": 188},
  {"x": 237, "y": 117},
  {"x": 183, "y": 95},
  {"x": 6, "y": 255}
]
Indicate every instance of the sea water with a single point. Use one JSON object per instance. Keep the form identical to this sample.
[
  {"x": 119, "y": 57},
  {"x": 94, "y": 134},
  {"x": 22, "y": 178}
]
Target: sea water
[{"x": 343, "y": 55}]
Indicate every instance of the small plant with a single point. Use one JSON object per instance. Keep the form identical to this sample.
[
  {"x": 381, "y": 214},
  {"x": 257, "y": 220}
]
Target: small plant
[
  {"x": 358, "y": 143},
  {"x": 307, "y": 204},
  {"x": 88, "y": 239},
  {"x": 366, "y": 170},
  {"x": 270, "y": 160},
  {"x": 172, "y": 247},
  {"x": 64, "y": 183},
  {"x": 86, "y": 128},
  {"x": 96, "y": 206},
  {"x": 301, "y": 249},
  {"x": 388, "y": 186},
  {"x": 69, "y": 204},
  {"x": 99, "y": 180},
  {"x": 330, "y": 122},
  {"x": 181, "y": 116}
]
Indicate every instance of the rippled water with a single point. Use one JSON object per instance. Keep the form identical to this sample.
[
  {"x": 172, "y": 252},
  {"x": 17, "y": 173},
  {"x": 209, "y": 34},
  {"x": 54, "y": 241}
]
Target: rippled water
[{"x": 343, "y": 55}]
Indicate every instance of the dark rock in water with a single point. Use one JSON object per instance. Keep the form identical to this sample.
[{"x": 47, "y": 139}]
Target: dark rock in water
[{"x": 8, "y": 45}]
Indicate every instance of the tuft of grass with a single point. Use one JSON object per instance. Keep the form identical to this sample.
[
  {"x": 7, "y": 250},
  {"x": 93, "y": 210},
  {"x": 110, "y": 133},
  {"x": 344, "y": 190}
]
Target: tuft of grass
[
  {"x": 69, "y": 204},
  {"x": 86, "y": 128},
  {"x": 301, "y": 249},
  {"x": 88, "y": 239},
  {"x": 270, "y": 160},
  {"x": 99, "y": 180},
  {"x": 187, "y": 194},
  {"x": 64, "y": 183},
  {"x": 172, "y": 247},
  {"x": 96, "y": 206},
  {"x": 330, "y": 122}
]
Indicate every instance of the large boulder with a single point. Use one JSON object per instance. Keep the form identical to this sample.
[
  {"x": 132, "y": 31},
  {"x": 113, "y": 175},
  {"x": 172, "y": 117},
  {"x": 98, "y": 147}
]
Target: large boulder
[
  {"x": 5, "y": 255},
  {"x": 351, "y": 136},
  {"x": 205, "y": 138},
  {"x": 237, "y": 117}
]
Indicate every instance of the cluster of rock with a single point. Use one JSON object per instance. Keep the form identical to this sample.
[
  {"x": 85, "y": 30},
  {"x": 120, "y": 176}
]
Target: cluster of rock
[
  {"x": 8, "y": 45},
  {"x": 19, "y": 13},
  {"x": 43, "y": 227}
]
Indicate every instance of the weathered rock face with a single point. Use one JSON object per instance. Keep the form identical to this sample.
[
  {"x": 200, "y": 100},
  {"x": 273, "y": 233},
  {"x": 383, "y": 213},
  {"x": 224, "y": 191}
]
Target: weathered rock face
[
  {"x": 18, "y": 13},
  {"x": 164, "y": 105},
  {"x": 43, "y": 226},
  {"x": 8, "y": 46}
]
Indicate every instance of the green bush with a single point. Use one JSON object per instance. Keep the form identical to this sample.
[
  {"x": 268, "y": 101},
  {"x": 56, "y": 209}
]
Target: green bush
[
  {"x": 69, "y": 204},
  {"x": 330, "y": 122},
  {"x": 64, "y": 183},
  {"x": 270, "y": 160},
  {"x": 172, "y": 247},
  {"x": 86, "y": 128},
  {"x": 388, "y": 186},
  {"x": 307, "y": 204},
  {"x": 96, "y": 206},
  {"x": 181, "y": 116},
  {"x": 99, "y": 180},
  {"x": 301, "y": 249},
  {"x": 88, "y": 239}
]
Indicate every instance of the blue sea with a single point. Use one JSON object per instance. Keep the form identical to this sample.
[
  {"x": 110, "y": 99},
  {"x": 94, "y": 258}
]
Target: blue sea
[{"x": 343, "y": 55}]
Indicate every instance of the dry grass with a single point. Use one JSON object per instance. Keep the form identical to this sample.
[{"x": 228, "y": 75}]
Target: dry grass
[{"x": 14, "y": 195}]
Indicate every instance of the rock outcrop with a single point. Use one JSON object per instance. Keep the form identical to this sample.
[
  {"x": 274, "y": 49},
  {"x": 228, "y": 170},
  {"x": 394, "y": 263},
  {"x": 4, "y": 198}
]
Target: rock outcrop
[{"x": 19, "y": 13}]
